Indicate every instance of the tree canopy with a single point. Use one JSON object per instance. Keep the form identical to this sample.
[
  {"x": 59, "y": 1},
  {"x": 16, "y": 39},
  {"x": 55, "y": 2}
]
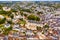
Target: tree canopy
[
  {"x": 33, "y": 17},
  {"x": 2, "y": 20},
  {"x": 46, "y": 26}
]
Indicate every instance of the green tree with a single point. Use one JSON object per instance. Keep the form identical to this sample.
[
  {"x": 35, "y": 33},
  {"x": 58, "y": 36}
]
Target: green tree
[
  {"x": 26, "y": 10},
  {"x": 0, "y": 6},
  {"x": 39, "y": 28},
  {"x": 22, "y": 22},
  {"x": 33, "y": 17},
  {"x": 39, "y": 13},
  {"x": 46, "y": 26},
  {"x": 37, "y": 18},
  {"x": 25, "y": 15},
  {"x": 43, "y": 32},
  {"x": 13, "y": 10},
  {"x": 7, "y": 30},
  {"x": 10, "y": 22},
  {"x": 21, "y": 12},
  {"x": 2, "y": 20},
  {"x": 11, "y": 15},
  {"x": 2, "y": 12}
]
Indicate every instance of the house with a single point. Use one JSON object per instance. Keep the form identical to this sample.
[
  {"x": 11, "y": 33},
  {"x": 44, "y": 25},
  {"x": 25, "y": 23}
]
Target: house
[
  {"x": 14, "y": 20},
  {"x": 6, "y": 8},
  {"x": 37, "y": 9},
  {"x": 6, "y": 38},
  {"x": 17, "y": 15},
  {"x": 13, "y": 33},
  {"x": 10, "y": 38},
  {"x": 13, "y": 38},
  {"x": 16, "y": 27},
  {"x": 32, "y": 38},
  {"x": 1, "y": 37},
  {"x": 29, "y": 32},
  {"x": 7, "y": 25},
  {"x": 21, "y": 34},
  {"x": 57, "y": 14},
  {"x": 22, "y": 29},
  {"x": 22, "y": 38},
  {"x": 41, "y": 36},
  {"x": 1, "y": 31},
  {"x": 1, "y": 16},
  {"x": 30, "y": 26},
  {"x": 33, "y": 26},
  {"x": 8, "y": 19},
  {"x": 53, "y": 38},
  {"x": 35, "y": 37}
]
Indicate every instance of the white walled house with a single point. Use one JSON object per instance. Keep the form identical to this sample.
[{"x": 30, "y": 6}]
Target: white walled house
[
  {"x": 1, "y": 16},
  {"x": 7, "y": 25},
  {"x": 16, "y": 27},
  {"x": 6, "y": 9}
]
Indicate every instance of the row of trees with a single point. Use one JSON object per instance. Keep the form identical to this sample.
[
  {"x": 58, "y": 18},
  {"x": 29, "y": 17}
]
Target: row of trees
[{"x": 2, "y": 12}]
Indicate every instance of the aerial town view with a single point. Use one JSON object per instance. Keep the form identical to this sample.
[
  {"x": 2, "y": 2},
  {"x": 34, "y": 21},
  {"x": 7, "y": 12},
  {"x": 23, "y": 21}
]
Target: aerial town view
[{"x": 29, "y": 20}]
